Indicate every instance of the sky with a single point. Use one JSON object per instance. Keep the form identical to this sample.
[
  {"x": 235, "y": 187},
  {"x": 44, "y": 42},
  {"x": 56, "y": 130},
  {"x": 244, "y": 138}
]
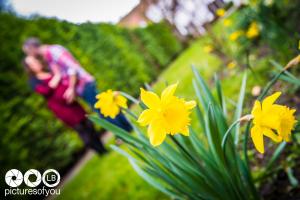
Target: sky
[{"x": 76, "y": 11}]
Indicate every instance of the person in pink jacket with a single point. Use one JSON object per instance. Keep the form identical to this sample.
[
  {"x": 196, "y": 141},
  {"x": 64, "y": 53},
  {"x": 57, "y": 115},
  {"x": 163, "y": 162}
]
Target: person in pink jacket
[
  {"x": 71, "y": 113},
  {"x": 81, "y": 83}
]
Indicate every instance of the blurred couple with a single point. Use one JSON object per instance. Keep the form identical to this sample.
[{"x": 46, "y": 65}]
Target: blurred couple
[{"x": 55, "y": 74}]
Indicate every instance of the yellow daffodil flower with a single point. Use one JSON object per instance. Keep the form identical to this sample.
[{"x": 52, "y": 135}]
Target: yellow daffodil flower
[
  {"x": 227, "y": 22},
  {"x": 231, "y": 65},
  {"x": 167, "y": 114},
  {"x": 208, "y": 48},
  {"x": 253, "y": 30},
  {"x": 220, "y": 12},
  {"x": 235, "y": 35},
  {"x": 110, "y": 103},
  {"x": 271, "y": 120}
]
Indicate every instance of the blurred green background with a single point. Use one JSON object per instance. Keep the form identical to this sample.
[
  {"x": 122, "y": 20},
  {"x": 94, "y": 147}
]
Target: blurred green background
[{"x": 124, "y": 59}]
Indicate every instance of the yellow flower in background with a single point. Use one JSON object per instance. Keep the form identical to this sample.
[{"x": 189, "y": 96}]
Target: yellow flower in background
[
  {"x": 227, "y": 22},
  {"x": 220, "y": 12},
  {"x": 253, "y": 2},
  {"x": 235, "y": 35},
  {"x": 110, "y": 103},
  {"x": 231, "y": 65},
  {"x": 269, "y": 2},
  {"x": 208, "y": 48},
  {"x": 299, "y": 45},
  {"x": 253, "y": 30},
  {"x": 271, "y": 120},
  {"x": 167, "y": 114}
]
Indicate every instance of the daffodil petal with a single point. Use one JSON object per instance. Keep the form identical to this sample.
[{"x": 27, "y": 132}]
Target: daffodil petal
[
  {"x": 269, "y": 133},
  {"x": 190, "y": 104},
  {"x": 292, "y": 111},
  {"x": 287, "y": 123},
  {"x": 256, "y": 108},
  {"x": 146, "y": 117},
  {"x": 257, "y": 138},
  {"x": 121, "y": 101},
  {"x": 185, "y": 131},
  {"x": 168, "y": 92},
  {"x": 114, "y": 111},
  {"x": 150, "y": 99},
  {"x": 156, "y": 133},
  {"x": 268, "y": 101},
  {"x": 97, "y": 104}
]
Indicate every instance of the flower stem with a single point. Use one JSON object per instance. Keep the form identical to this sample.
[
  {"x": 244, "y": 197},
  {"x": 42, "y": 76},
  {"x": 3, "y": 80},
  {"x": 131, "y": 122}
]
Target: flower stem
[
  {"x": 131, "y": 98},
  {"x": 270, "y": 84},
  {"x": 245, "y": 143},
  {"x": 224, "y": 140},
  {"x": 128, "y": 111},
  {"x": 290, "y": 64}
]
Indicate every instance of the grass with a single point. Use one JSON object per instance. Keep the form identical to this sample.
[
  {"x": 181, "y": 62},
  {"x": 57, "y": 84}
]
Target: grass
[
  {"x": 180, "y": 69},
  {"x": 112, "y": 177},
  {"x": 109, "y": 177}
]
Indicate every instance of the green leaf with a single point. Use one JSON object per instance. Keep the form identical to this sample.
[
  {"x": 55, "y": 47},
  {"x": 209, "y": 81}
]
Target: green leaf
[
  {"x": 280, "y": 68},
  {"x": 206, "y": 92},
  {"x": 144, "y": 174},
  {"x": 220, "y": 94},
  {"x": 199, "y": 96},
  {"x": 239, "y": 108},
  {"x": 126, "y": 136},
  {"x": 275, "y": 155},
  {"x": 152, "y": 181},
  {"x": 293, "y": 180}
]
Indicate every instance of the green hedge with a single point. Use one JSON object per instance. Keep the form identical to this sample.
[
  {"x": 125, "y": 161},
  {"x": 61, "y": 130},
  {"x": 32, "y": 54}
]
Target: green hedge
[{"x": 119, "y": 58}]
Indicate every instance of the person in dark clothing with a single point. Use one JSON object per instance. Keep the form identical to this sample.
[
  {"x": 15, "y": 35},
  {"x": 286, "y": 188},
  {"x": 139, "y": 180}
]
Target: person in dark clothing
[
  {"x": 87, "y": 133},
  {"x": 72, "y": 114}
]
